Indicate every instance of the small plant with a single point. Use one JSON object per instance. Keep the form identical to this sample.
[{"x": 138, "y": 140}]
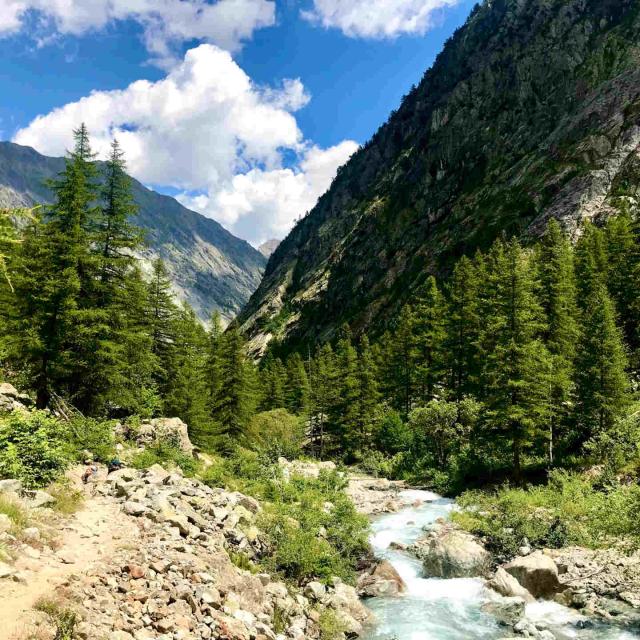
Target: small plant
[
  {"x": 161, "y": 453},
  {"x": 279, "y": 620},
  {"x": 242, "y": 561},
  {"x": 331, "y": 627},
  {"x": 17, "y": 515},
  {"x": 68, "y": 499},
  {"x": 64, "y": 619}
]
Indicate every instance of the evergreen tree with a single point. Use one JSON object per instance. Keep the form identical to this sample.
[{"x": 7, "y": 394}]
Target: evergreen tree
[
  {"x": 517, "y": 363},
  {"x": 602, "y": 382},
  {"x": 463, "y": 329},
  {"x": 56, "y": 279},
  {"x": 236, "y": 401},
  {"x": 214, "y": 361},
  {"x": 369, "y": 394},
  {"x": 558, "y": 297},
  {"x": 429, "y": 336},
  {"x": 297, "y": 389},
  {"x": 591, "y": 261},
  {"x": 323, "y": 396},
  {"x": 273, "y": 383},
  {"x": 186, "y": 392}
]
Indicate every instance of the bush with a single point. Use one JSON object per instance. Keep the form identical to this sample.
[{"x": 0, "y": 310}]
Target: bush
[
  {"x": 331, "y": 627},
  {"x": 95, "y": 436},
  {"x": 566, "y": 511},
  {"x": 164, "y": 454},
  {"x": 392, "y": 435},
  {"x": 15, "y": 512},
  {"x": 68, "y": 499},
  {"x": 34, "y": 447},
  {"x": 277, "y": 433}
]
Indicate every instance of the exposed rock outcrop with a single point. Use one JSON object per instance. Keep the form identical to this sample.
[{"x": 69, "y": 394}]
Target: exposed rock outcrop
[
  {"x": 448, "y": 552},
  {"x": 11, "y": 399},
  {"x": 537, "y": 573},
  {"x": 381, "y": 580}
]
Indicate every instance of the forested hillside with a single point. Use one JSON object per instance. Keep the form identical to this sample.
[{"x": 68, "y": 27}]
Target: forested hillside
[
  {"x": 531, "y": 112},
  {"x": 208, "y": 267}
]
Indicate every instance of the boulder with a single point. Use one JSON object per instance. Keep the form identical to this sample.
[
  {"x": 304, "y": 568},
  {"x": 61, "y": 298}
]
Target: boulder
[
  {"x": 506, "y": 585},
  {"x": 171, "y": 430},
  {"x": 507, "y": 611},
  {"x": 11, "y": 399},
  {"x": 537, "y": 573},
  {"x": 452, "y": 553},
  {"x": 10, "y": 486},
  {"x": 384, "y": 580},
  {"x": 39, "y": 498}
]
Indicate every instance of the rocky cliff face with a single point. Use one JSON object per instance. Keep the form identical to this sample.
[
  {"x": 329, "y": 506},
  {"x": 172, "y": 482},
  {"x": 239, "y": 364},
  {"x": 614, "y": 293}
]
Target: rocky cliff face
[
  {"x": 209, "y": 267},
  {"x": 531, "y": 111}
]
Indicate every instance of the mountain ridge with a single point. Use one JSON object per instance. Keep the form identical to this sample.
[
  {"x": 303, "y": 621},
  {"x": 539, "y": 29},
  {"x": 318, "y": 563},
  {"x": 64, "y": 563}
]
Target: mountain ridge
[
  {"x": 531, "y": 111},
  {"x": 209, "y": 267}
]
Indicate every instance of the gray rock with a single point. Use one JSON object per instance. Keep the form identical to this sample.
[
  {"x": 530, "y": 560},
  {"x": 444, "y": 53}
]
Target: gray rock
[
  {"x": 133, "y": 508},
  {"x": 506, "y": 585},
  {"x": 39, "y": 498},
  {"x": 10, "y": 486},
  {"x": 508, "y": 611},
  {"x": 537, "y": 573}
]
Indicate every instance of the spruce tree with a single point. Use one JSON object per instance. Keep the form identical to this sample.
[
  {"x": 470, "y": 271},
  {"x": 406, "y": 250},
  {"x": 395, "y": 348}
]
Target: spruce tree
[
  {"x": 462, "y": 329},
  {"x": 558, "y": 295},
  {"x": 369, "y": 394},
  {"x": 429, "y": 335},
  {"x": 214, "y": 361},
  {"x": 273, "y": 383},
  {"x": 322, "y": 378},
  {"x": 297, "y": 389},
  {"x": 345, "y": 414},
  {"x": 591, "y": 261},
  {"x": 603, "y": 385},
  {"x": 517, "y": 364}
]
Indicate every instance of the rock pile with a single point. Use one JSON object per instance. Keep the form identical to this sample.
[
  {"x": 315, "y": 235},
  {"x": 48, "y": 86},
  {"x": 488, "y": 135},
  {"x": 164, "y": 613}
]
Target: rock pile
[
  {"x": 183, "y": 581},
  {"x": 159, "y": 430},
  {"x": 11, "y": 399}
]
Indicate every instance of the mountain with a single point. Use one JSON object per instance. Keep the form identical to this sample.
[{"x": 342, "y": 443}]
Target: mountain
[
  {"x": 268, "y": 247},
  {"x": 531, "y": 111},
  {"x": 209, "y": 267}
]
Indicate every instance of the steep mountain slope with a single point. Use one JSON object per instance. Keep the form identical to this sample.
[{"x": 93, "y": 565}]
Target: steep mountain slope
[
  {"x": 209, "y": 267},
  {"x": 532, "y": 110}
]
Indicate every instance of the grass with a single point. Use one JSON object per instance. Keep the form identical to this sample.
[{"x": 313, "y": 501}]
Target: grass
[
  {"x": 68, "y": 499},
  {"x": 16, "y": 513},
  {"x": 63, "y": 618}
]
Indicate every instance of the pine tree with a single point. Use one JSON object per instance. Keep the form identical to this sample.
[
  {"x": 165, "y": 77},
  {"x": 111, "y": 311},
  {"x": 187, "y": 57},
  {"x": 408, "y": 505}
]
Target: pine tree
[
  {"x": 558, "y": 295},
  {"x": 57, "y": 278},
  {"x": 602, "y": 382},
  {"x": 236, "y": 401},
  {"x": 297, "y": 389},
  {"x": 369, "y": 394},
  {"x": 273, "y": 384},
  {"x": 429, "y": 336},
  {"x": 214, "y": 361},
  {"x": 517, "y": 363},
  {"x": 323, "y": 396},
  {"x": 186, "y": 391},
  {"x": 462, "y": 329},
  {"x": 591, "y": 261}
]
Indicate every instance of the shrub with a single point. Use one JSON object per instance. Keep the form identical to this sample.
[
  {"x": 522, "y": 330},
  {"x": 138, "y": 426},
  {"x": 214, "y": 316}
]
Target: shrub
[
  {"x": 277, "y": 433},
  {"x": 64, "y": 619},
  {"x": 566, "y": 511},
  {"x": 17, "y": 515},
  {"x": 163, "y": 454},
  {"x": 68, "y": 499},
  {"x": 95, "y": 436},
  {"x": 34, "y": 447},
  {"x": 331, "y": 627}
]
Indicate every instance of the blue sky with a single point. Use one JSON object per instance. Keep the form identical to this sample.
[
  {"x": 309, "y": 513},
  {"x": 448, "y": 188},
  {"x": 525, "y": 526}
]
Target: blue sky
[{"x": 245, "y": 112}]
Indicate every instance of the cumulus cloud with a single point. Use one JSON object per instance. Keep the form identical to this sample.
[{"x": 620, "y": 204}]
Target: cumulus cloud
[
  {"x": 377, "y": 18},
  {"x": 207, "y": 130},
  {"x": 165, "y": 23}
]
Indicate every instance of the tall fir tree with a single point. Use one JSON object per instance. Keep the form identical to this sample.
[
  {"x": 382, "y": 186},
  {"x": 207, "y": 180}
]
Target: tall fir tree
[
  {"x": 558, "y": 295},
  {"x": 297, "y": 389},
  {"x": 463, "y": 330},
  {"x": 517, "y": 363},
  {"x": 429, "y": 335},
  {"x": 322, "y": 378},
  {"x": 369, "y": 394},
  {"x": 273, "y": 384},
  {"x": 603, "y": 386}
]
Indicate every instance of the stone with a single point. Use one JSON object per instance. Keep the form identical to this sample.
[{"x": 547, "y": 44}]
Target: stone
[
  {"x": 39, "y": 498},
  {"x": 6, "y": 524},
  {"x": 31, "y": 534},
  {"x": 315, "y": 591},
  {"x": 135, "y": 571},
  {"x": 506, "y": 585},
  {"x": 10, "y": 486},
  {"x": 6, "y": 571},
  {"x": 165, "y": 430},
  {"x": 384, "y": 580},
  {"x": 537, "y": 573},
  {"x": 507, "y": 611},
  {"x": 133, "y": 508},
  {"x": 451, "y": 553}
]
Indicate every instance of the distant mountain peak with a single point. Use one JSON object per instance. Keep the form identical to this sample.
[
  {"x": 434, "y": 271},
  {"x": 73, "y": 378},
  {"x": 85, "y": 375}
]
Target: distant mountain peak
[{"x": 268, "y": 247}]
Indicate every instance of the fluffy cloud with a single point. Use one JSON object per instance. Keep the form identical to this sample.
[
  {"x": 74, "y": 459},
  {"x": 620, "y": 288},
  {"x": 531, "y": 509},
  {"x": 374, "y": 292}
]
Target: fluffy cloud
[
  {"x": 207, "y": 129},
  {"x": 377, "y": 18},
  {"x": 165, "y": 22}
]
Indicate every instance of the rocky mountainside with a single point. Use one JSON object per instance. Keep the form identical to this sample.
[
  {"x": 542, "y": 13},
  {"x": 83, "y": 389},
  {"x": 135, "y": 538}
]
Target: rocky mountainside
[
  {"x": 268, "y": 247},
  {"x": 209, "y": 267},
  {"x": 531, "y": 111}
]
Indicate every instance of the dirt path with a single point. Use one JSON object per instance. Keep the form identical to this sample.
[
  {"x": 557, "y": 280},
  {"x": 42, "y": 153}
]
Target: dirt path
[{"x": 87, "y": 538}]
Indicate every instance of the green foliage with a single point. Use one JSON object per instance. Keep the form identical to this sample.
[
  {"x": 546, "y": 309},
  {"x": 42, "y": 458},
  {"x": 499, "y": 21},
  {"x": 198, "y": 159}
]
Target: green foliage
[
  {"x": 165, "y": 454},
  {"x": 331, "y": 627},
  {"x": 276, "y": 433},
  {"x": 68, "y": 499},
  {"x": 64, "y": 619},
  {"x": 15, "y": 512},
  {"x": 95, "y": 436},
  {"x": 34, "y": 447},
  {"x": 566, "y": 511}
]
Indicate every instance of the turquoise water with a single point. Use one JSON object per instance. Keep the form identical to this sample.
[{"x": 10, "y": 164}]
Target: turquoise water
[{"x": 438, "y": 609}]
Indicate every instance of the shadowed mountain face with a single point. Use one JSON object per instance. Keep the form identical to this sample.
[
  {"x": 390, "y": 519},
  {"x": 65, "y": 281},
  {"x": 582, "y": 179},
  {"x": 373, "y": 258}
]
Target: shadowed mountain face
[
  {"x": 209, "y": 267},
  {"x": 531, "y": 111}
]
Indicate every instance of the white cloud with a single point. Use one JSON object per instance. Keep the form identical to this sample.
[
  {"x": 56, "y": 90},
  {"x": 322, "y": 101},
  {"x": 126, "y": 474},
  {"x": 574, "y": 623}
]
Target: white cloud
[
  {"x": 260, "y": 205},
  {"x": 206, "y": 128},
  {"x": 377, "y": 18},
  {"x": 165, "y": 23}
]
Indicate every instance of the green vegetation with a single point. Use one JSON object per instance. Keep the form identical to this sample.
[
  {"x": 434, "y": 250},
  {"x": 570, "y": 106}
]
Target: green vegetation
[
  {"x": 165, "y": 454},
  {"x": 64, "y": 619},
  {"x": 331, "y": 627},
  {"x": 15, "y": 513},
  {"x": 569, "y": 510}
]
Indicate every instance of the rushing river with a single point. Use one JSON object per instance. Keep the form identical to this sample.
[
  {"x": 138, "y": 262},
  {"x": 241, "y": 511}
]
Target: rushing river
[{"x": 437, "y": 609}]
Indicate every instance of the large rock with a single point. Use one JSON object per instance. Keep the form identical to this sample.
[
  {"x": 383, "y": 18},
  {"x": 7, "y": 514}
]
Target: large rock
[
  {"x": 167, "y": 430},
  {"x": 537, "y": 573},
  {"x": 508, "y": 611},
  {"x": 384, "y": 580},
  {"x": 11, "y": 399},
  {"x": 451, "y": 553},
  {"x": 506, "y": 585}
]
